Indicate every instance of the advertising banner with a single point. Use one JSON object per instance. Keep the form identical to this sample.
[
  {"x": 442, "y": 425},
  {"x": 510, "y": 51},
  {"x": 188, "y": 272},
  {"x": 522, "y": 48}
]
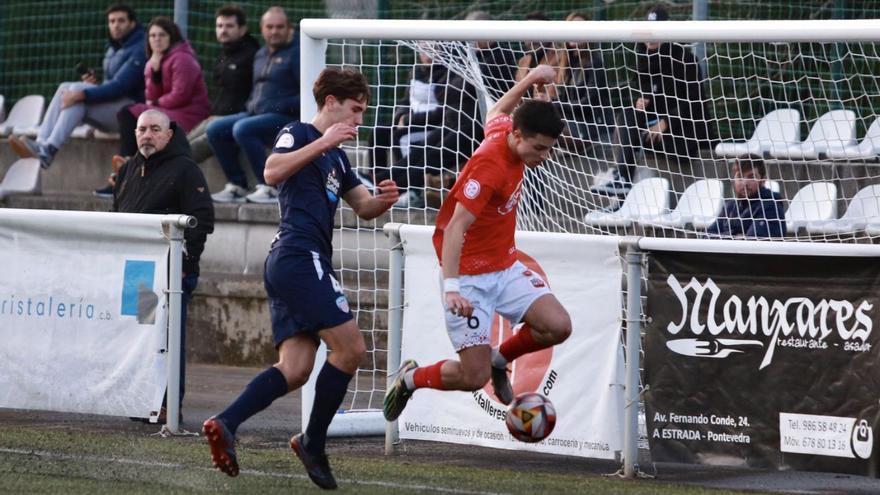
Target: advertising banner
[
  {"x": 583, "y": 377},
  {"x": 82, "y": 312},
  {"x": 760, "y": 360}
]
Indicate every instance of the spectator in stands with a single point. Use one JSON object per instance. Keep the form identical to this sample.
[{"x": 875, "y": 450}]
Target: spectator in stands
[
  {"x": 667, "y": 115},
  {"x": 497, "y": 63},
  {"x": 436, "y": 161},
  {"x": 419, "y": 112},
  {"x": 174, "y": 84},
  {"x": 581, "y": 91},
  {"x": 273, "y": 103},
  {"x": 90, "y": 101},
  {"x": 755, "y": 211},
  {"x": 233, "y": 74},
  {"x": 537, "y": 53},
  {"x": 162, "y": 178}
]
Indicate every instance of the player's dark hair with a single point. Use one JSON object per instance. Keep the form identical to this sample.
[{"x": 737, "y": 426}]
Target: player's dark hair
[
  {"x": 121, "y": 7},
  {"x": 752, "y": 162},
  {"x": 537, "y": 117},
  {"x": 232, "y": 10},
  {"x": 344, "y": 84}
]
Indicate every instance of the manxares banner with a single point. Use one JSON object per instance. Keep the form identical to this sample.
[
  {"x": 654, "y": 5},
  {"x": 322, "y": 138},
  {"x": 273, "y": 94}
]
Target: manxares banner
[{"x": 765, "y": 361}]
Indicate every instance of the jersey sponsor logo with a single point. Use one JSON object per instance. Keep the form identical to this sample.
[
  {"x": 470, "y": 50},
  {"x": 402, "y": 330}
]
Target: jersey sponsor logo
[
  {"x": 332, "y": 186},
  {"x": 512, "y": 201},
  {"x": 342, "y": 304},
  {"x": 284, "y": 141},
  {"x": 471, "y": 189}
]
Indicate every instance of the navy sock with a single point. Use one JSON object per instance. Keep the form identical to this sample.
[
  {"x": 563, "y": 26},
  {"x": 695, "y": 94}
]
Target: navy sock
[
  {"x": 330, "y": 389},
  {"x": 260, "y": 392}
]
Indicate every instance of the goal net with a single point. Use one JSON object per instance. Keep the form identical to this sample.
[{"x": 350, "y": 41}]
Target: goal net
[{"x": 661, "y": 118}]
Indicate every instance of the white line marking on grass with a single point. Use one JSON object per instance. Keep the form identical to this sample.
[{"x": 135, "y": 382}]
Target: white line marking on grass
[{"x": 272, "y": 474}]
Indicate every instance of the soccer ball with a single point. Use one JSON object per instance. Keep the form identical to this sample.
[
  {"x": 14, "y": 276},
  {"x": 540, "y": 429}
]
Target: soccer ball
[{"x": 531, "y": 417}]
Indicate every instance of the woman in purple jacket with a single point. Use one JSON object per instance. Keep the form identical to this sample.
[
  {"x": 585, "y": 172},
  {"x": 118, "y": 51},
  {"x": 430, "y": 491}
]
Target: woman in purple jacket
[{"x": 174, "y": 83}]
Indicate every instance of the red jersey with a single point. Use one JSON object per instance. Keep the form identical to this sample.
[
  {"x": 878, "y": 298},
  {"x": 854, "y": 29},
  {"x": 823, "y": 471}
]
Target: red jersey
[{"x": 489, "y": 186}]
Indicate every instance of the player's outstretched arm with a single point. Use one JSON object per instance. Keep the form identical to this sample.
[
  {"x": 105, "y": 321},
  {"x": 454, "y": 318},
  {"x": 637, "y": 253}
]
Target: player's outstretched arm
[
  {"x": 367, "y": 206},
  {"x": 453, "y": 240},
  {"x": 280, "y": 166},
  {"x": 540, "y": 75}
]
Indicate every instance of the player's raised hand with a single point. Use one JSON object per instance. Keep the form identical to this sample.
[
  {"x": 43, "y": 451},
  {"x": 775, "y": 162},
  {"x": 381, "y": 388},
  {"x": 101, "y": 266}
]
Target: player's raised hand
[
  {"x": 458, "y": 304},
  {"x": 387, "y": 192},
  {"x": 542, "y": 74},
  {"x": 338, "y": 133}
]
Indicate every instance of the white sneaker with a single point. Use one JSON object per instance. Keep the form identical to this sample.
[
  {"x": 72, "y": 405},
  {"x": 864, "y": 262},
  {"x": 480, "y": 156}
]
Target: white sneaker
[
  {"x": 263, "y": 194},
  {"x": 231, "y": 193}
]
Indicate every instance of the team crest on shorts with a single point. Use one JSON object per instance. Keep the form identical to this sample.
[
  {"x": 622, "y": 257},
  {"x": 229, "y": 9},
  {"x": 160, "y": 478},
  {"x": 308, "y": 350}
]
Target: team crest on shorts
[
  {"x": 342, "y": 304},
  {"x": 471, "y": 189},
  {"x": 537, "y": 282}
]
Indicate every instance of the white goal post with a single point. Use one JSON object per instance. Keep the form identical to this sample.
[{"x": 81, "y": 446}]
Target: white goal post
[{"x": 318, "y": 35}]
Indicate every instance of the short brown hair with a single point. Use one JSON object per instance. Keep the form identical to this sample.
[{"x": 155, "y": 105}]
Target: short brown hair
[
  {"x": 121, "y": 7},
  {"x": 752, "y": 162},
  {"x": 232, "y": 10},
  {"x": 342, "y": 83}
]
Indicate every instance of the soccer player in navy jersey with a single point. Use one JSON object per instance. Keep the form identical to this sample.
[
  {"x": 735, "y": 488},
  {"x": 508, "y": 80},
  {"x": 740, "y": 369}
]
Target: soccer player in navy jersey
[{"x": 306, "y": 301}]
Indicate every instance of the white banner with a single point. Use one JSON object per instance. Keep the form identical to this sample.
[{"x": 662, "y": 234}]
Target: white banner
[
  {"x": 82, "y": 312},
  {"x": 583, "y": 377}
]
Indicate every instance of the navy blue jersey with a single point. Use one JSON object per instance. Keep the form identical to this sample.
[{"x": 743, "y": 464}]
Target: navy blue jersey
[{"x": 309, "y": 198}]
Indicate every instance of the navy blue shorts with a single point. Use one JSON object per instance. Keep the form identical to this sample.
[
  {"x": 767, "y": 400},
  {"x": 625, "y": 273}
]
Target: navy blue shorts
[{"x": 304, "y": 295}]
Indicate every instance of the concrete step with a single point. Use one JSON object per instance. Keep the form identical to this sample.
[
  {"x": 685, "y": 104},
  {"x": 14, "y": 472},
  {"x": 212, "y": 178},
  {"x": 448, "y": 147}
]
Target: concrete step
[{"x": 229, "y": 323}]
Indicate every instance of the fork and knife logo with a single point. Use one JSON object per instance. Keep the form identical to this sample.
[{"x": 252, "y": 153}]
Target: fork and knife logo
[{"x": 716, "y": 348}]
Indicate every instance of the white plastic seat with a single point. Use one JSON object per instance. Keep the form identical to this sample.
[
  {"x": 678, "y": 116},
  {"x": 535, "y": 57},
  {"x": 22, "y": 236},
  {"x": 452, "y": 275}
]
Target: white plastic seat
[
  {"x": 781, "y": 126},
  {"x": 24, "y": 118},
  {"x": 816, "y": 202},
  {"x": 699, "y": 206},
  {"x": 109, "y": 136},
  {"x": 84, "y": 131},
  {"x": 23, "y": 177},
  {"x": 863, "y": 209},
  {"x": 868, "y": 148},
  {"x": 2, "y": 109},
  {"x": 648, "y": 198},
  {"x": 834, "y": 130}
]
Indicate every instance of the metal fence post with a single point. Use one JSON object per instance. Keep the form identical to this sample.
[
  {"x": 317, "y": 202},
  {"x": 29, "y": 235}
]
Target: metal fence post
[
  {"x": 395, "y": 320},
  {"x": 175, "y": 226},
  {"x": 633, "y": 344}
]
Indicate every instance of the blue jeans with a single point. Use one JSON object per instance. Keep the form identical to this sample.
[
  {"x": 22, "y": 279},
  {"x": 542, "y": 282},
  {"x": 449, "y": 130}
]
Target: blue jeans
[{"x": 242, "y": 131}]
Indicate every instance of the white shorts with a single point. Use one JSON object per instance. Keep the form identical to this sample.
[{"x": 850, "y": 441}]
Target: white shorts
[{"x": 508, "y": 292}]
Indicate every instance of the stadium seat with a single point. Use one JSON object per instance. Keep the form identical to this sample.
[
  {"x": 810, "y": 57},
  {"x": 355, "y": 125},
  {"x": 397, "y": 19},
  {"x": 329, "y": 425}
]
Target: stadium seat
[
  {"x": 699, "y": 206},
  {"x": 109, "y": 136},
  {"x": 648, "y": 198},
  {"x": 835, "y": 129},
  {"x": 23, "y": 177},
  {"x": 816, "y": 202},
  {"x": 863, "y": 209},
  {"x": 84, "y": 131},
  {"x": 778, "y": 126},
  {"x": 24, "y": 118},
  {"x": 2, "y": 109},
  {"x": 868, "y": 149}
]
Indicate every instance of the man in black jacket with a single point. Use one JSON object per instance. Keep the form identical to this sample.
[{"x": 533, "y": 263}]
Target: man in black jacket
[
  {"x": 233, "y": 75},
  {"x": 668, "y": 113},
  {"x": 163, "y": 179}
]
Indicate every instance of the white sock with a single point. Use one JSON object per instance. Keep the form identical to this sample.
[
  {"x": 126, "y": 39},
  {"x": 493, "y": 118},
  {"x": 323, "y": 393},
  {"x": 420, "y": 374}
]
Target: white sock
[
  {"x": 498, "y": 361},
  {"x": 409, "y": 379}
]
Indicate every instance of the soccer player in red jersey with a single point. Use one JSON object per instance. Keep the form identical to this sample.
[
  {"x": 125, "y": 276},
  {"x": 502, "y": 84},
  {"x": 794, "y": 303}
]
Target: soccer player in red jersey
[{"x": 474, "y": 240}]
